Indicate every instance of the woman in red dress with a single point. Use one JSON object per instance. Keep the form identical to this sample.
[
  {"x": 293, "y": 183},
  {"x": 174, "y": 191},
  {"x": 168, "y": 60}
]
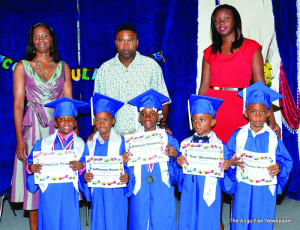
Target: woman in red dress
[{"x": 228, "y": 66}]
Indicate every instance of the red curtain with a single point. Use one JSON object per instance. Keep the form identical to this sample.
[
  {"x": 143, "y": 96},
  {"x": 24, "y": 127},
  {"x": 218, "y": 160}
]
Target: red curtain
[{"x": 290, "y": 111}]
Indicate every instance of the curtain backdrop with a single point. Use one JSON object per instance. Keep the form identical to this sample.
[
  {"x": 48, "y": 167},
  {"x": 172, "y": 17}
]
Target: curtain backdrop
[
  {"x": 170, "y": 26},
  {"x": 16, "y": 17},
  {"x": 286, "y": 29}
]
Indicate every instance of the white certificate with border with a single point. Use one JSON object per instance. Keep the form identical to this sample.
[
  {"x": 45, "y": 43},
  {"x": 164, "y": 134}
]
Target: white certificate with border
[
  {"x": 106, "y": 171},
  {"x": 255, "y": 171},
  {"x": 203, "y": 159},
  {"x": 146, "y": 147},
  {"x": 55, "y": 166}
]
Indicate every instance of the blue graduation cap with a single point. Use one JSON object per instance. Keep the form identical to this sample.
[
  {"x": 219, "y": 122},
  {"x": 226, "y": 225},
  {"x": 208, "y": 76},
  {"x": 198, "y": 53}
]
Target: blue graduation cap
[
  {"x": 65, "y": 107},
  {"x": 149, "y": 99},
  {"x": 259, "y": 93},
  {"x": 101, "y": 103},
  {"x": 203, "y": 104}
]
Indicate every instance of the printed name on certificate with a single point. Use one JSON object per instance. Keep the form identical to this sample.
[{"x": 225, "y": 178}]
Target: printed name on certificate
[
  {"x": 146, "y": 147},
  {"x": 106, "y": 171},
  {"x": 203, "y": 159},
  {"x": 55, "y": 166},
  {"x": 255, "y": 171}
]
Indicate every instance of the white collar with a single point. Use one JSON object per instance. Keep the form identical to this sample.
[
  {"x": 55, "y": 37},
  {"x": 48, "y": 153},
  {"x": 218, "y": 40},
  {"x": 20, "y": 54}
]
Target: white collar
[
  {"x": 101, "y": 141},
  {"x": 260, "y": 131}
]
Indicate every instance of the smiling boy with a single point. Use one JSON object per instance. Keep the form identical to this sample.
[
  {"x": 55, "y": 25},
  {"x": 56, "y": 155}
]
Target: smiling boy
[
  {"x": 152, "y": 204},
  {"x": 59, "y": 201}
]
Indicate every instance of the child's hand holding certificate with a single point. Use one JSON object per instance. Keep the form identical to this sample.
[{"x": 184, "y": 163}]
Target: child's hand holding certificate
[
  {"x": 55, "y": 166},
  {"x": 255, "y": 171}
]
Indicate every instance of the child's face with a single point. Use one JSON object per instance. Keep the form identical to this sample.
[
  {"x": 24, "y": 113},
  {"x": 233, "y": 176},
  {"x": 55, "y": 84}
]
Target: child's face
[
  {"x": 65, "y": 124},
  {"x": 103, "y": 122},
  {"x": 149, "y": 118},
  {"x": 257, "y": 115},
  {"x": 202, "y": 123}
]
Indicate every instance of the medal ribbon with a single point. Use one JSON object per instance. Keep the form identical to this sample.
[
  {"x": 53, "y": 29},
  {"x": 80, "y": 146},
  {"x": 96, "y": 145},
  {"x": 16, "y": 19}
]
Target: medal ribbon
[
  {"x": 150, "y": 167},
  {"x": 62, "y": 143}
]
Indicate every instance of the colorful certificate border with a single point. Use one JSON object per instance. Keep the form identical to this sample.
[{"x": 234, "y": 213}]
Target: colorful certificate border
[
  {"x": 252, "y": 181},
  {"x": 146, "y": 135},
  {"x": 40, "y": 179},
  {"x": 104, "y": 184},
  {"x": 187, "y": 169}
]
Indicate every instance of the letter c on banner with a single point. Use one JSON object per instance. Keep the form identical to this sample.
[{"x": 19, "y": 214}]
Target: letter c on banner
[{"x": 5, "y": 66}]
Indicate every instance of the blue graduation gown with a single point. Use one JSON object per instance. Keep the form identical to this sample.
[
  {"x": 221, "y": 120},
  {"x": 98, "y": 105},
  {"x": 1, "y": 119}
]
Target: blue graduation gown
[
  {"x": 59, "y": 203},
  {"x": 109, "y": 205},
  {"x": 194, "y": 213},
  {"x": 256, "y": 203},
  {"x": 153, "y": 207}
]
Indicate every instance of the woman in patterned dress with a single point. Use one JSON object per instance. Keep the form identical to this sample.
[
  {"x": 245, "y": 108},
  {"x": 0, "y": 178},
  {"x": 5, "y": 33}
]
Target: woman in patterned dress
[{"x": 39, "y": 79}]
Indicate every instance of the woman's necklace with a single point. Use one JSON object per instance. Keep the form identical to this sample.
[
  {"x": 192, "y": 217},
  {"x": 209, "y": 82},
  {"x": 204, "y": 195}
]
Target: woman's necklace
[{"x": 42, "y": 71}]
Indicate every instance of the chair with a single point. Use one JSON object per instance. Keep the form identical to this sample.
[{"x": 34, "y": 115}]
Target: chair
[{"x": 5, "y": 195}]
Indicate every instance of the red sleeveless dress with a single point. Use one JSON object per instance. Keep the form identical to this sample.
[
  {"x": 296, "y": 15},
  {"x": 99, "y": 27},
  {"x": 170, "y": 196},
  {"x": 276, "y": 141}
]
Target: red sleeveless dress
[{"x": 231, "y": 71}]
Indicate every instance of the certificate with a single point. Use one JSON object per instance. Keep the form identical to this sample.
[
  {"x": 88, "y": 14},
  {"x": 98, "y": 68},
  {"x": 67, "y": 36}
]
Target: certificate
[
  {"x": 203, "y": 159},
  {"x": 106, "y": 171},
  {"x": 255, "y": 171},
  {"x": 55, "y": 166},
  {"x": 147, "y": 147}
]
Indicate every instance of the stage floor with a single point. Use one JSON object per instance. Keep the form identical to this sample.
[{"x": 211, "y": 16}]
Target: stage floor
[{"x": 287, "y": 210}]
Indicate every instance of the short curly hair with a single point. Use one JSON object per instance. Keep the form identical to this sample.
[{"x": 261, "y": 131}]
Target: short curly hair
[{"x": 126, "y": 27}]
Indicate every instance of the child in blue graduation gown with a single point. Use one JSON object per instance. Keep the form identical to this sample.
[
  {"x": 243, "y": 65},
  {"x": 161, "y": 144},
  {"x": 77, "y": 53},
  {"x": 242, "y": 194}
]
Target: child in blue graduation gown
[
  {"x": 256, "y": 204},
  {"x": 109, "y": 205},
  {"x": 152, "y": 204},
  {"x": 58, "y": 202},
  {"x": 200, "y": 209}
]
